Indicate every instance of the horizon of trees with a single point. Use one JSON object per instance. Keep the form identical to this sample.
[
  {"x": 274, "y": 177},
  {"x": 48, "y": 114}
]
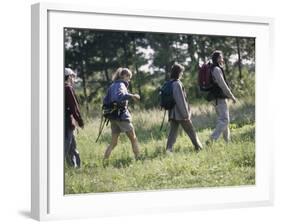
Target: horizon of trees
[{"x": 96, "y": 54}]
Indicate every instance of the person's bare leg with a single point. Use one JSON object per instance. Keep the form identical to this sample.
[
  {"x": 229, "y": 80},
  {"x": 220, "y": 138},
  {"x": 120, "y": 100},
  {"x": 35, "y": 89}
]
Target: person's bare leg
[
  {"x": 134, "y": 141},
  {"x": 114, "y": 140}
]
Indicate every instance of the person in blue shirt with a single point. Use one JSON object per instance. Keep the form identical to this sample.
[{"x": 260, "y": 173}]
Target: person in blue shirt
[{"x": 121, "y": 121}]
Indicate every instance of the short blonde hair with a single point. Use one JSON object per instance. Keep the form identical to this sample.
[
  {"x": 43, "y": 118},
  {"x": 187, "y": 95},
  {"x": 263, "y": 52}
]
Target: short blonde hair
[{"x": 121, "y": 73}]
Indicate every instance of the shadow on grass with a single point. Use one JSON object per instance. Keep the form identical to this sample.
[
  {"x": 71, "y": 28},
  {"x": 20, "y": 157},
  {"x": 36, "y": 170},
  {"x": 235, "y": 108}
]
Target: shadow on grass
[
  {"x": 246, "y": 159},
  {"x": 159, "y": 152},
  {"x": 126, "y": 161},
  {"x": 122, "y": 162},
  {"x": 248, "y": 135}
]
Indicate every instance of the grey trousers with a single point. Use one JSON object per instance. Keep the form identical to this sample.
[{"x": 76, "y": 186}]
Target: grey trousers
[
  {"x": 222, "y": 125},
  {"x": 189, "y": 130}
]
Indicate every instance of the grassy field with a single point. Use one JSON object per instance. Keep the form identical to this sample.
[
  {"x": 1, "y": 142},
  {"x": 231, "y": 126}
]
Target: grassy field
[{"x": 220, "y": 164}]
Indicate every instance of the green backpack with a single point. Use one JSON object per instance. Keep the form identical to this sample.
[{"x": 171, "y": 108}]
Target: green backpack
[{"x": 166, "y": 95}]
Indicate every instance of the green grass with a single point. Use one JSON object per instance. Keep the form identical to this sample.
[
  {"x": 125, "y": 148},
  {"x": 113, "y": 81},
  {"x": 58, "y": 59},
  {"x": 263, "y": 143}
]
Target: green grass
[{"x": 220, "y": 164}]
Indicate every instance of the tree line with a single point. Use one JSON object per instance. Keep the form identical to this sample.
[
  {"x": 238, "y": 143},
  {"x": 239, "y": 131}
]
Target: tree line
[{"x": 96, "y": 54}]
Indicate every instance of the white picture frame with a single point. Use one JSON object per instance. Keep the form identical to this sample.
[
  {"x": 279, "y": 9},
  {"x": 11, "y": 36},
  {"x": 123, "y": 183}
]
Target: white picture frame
[{"x": 48, "y": 201}]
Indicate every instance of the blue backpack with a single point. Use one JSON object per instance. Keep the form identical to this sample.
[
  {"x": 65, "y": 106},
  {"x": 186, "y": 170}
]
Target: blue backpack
[
  {"x": 112, "y": 109},
  {"x": 166, "y": 95}
]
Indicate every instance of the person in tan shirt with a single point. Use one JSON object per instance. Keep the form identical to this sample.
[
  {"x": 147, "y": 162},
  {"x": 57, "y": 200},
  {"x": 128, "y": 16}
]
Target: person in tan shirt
[
  {"x": 180, "y": 114},
  {"x": 220, "y": 93}
]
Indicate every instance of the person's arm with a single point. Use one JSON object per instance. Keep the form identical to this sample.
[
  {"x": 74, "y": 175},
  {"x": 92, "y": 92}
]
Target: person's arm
[
  {"x": 218, "y": 78},
  {"x": 123, "y": 94},
  {"x": 73, "y": 106},
  {"x": 179, "y": 98}
]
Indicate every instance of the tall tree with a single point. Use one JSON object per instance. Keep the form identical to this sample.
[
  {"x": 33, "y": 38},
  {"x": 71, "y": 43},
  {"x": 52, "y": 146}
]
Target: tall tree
[{"x": 239, "y": 57}]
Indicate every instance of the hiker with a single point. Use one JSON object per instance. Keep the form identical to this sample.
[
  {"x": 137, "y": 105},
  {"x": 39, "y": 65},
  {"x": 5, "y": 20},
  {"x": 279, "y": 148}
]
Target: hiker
[
  {"x": 219, "y": 94},
  {"x": 180, "y": 114},
  {"x": 72, "y": 119},
  {"x": 120, "y": 118}
]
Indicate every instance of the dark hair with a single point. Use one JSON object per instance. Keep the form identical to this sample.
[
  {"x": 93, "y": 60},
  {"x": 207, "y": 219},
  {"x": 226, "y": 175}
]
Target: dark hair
[
  {"x": 215, "y": 55},
  {"x": 176, "y": 70}
]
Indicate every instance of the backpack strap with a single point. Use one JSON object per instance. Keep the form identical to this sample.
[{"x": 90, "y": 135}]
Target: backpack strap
[
  {"x": 217, "y": 91},
  {"x": 223, "y": 74},
  {"x": 172, "y": 81}
]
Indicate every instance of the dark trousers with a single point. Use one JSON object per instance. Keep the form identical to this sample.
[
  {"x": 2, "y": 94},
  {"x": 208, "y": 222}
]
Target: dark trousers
[
  {"x": 71, "y": 153},
  {"x": 189, "y": 130}
]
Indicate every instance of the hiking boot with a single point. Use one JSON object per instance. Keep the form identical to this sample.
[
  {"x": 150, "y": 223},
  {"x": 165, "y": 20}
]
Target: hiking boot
[
  {"x": 198, "y": 146},
  {"x": 76, "y": 159},
  {"x": 105, "y": 163},
  {"x": 140, "y": 157},
  {"x": 69, "y": 161},
  {"x": 209, "y": 142},
  {"x": 169, "y": 153},
  {"x": 73, "y": 159}
]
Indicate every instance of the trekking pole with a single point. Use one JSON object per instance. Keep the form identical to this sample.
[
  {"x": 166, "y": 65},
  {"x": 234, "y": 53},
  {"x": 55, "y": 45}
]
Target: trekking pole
[
  {"x": 167, "y": 126},
  {"x": 163, "y": 120},
  {"x": 102, "y": 122},
  {"x": 101, "y": 130}
]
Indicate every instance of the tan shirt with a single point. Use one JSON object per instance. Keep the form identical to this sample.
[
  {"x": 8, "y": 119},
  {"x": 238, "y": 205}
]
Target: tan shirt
[
  {"x": 181, "y": 111},
  {"x": 218, "y": 78}
]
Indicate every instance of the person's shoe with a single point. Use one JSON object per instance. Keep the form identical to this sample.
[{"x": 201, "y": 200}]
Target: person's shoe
[
  {"x": 169, "y": 153},
  {"x": 227, "y": 141},
  {"x": 69, "y": 161},
  {"x": 105, "y": 163},
  {"x": 209, "y": 142},
  {"x": 140, "y": 157},
  {"x": 199, "y": 146},
  {"x": 76, "y": 159}
]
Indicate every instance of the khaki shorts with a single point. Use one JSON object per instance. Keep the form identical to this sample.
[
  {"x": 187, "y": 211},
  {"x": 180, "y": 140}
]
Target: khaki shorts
[{"x": 121, "y": 126}]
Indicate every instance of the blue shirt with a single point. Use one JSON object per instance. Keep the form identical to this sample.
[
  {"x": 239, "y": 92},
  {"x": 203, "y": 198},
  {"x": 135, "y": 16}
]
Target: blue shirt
[{"x": 118, "y": 92}]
